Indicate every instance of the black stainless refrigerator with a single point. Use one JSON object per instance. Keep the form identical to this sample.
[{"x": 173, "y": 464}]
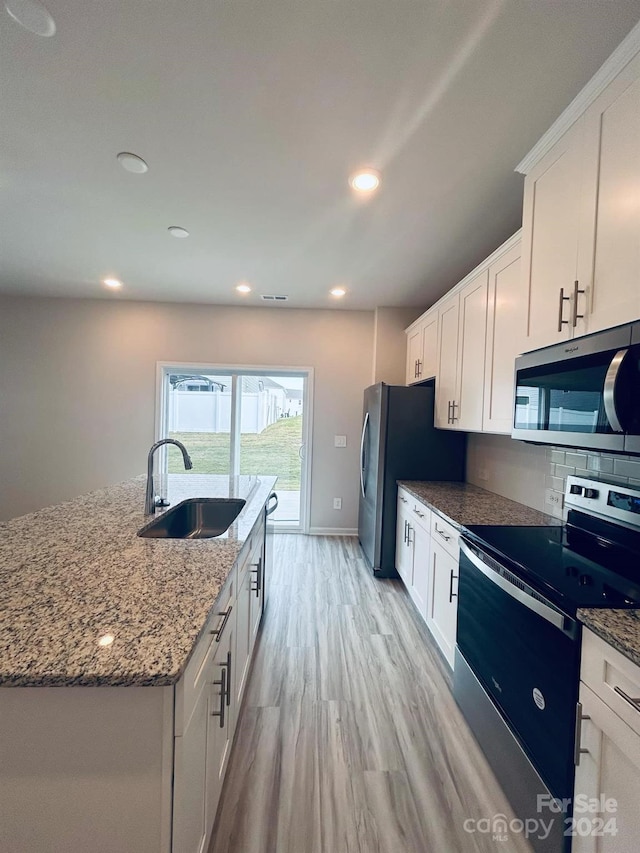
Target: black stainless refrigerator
[{"x": 399, "y": 442}]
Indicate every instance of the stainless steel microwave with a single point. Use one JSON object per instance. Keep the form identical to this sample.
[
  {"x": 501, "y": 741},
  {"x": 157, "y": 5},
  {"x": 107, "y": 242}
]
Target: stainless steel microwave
[{"x": 582, "y": 393}]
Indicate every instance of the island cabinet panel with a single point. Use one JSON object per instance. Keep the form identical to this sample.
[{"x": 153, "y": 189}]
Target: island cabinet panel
[{"x": 86, "y": 768}]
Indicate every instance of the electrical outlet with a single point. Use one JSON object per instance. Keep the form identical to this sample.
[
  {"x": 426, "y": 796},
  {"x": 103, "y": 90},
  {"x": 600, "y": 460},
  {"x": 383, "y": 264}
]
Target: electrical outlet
[
  {"x": 337, "y": 503},
  {"x": 553, "y": 498},
  {"x": 339, "y": 440}
]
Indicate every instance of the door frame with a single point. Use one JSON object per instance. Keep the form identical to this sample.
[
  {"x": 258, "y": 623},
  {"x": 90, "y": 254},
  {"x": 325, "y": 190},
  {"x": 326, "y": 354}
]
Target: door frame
[{"x": 162, "y": 367}]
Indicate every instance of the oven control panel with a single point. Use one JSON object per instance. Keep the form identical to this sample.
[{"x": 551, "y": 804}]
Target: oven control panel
[{"x": 619, "y": 503}]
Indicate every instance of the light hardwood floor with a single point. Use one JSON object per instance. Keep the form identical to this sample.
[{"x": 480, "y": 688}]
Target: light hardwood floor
[{"x": 350, "y": 740}]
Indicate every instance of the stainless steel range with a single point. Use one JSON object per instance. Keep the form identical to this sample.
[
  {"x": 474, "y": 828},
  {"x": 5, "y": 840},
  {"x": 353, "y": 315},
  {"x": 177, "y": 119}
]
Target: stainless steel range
[{"x": 518, "y": 639}]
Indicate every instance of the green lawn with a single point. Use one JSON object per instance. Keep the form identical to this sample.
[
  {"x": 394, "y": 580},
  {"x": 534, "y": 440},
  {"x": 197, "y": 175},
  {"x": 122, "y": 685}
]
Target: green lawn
[{"x": 273, "y": 451}]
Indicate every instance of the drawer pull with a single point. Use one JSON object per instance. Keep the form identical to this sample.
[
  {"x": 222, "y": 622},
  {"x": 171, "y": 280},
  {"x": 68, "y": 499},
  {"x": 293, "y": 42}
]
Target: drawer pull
[
  {"x": 222, "y": 683},
  {"x": 406, "y": 524},
  {"x": 217, "y": 632},
  {"x": 417, "y": 512},
  {"x": 257, "y": 568},
  {"x": 404, "y": 500},
  {"x": 409, "y": 539},
  {"x": 442, "y": 533},
  {"x": 635, "y": 703},
  {"x": 452, "y": 594},
  {"x": 577, "y": 748}
]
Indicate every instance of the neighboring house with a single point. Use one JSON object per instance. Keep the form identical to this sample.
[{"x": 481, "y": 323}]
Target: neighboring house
[{"x": 293, "y": 404}]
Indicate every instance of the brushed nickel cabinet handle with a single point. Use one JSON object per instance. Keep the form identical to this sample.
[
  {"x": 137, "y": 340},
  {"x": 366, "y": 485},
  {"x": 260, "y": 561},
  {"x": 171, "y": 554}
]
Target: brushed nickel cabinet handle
[
  {"x": 217, "y": 632},
  {"x": 441, "y": 532},
  {"x": 409, "y": 529},
  {"x": 419, "y": 368},
  {"x": 222, "y": 684},
  {"x": 454, "y": 405},
  {"x": 257, "y": 568},
  {"x": 635, "y": 703},
  {"x": 576, "y": 291},
  {"x": 449, "y": 412},
  {"x": 452, "y": 594},
  {"x": 563, "y": 299},
  {"x": 577, "y": 749}
]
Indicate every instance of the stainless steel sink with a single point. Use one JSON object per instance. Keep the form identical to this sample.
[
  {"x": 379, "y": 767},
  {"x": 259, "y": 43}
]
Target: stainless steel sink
[{"x": 195, "y": 518}]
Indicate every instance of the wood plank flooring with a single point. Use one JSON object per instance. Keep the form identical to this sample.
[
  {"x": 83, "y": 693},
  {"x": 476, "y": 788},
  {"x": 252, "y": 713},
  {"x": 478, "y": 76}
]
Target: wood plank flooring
[{"x": 350, "y": 740}]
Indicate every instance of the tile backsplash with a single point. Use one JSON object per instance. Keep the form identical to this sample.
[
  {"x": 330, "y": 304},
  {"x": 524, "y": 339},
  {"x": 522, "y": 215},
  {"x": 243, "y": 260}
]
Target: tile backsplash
[{"x": 525, "y": 472}]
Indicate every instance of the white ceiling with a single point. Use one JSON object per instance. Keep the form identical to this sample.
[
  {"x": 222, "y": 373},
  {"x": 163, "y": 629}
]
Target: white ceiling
[{"x": 251, "y": 115}]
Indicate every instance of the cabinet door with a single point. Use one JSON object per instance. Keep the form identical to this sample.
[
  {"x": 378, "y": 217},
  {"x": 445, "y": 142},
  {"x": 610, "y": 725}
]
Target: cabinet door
[
  {"x": 190, "y": 774},
  {"x": 467, "y": 405},
  {"x": 609, "y": 257},
  {"x": 243, "y": 628},
  {"x": 429, "y": 358},
  {"x": 404, "y": 551},
  {"x": 447, "y": 361},
  {"x": 442, "y": 611},
  {"x": 221, "y": 713},
  {"x": 414, "y": 354},
  {"x": 550, "y": 228},
  {"x": 419, "y": 588},
  {"x": 506, "y": 335},
  {"x": 610, "y": 767}
]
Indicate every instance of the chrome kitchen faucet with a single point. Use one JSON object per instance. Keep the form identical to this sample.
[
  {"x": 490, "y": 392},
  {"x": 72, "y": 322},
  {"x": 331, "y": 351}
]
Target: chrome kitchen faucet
[{"x": 151, "y": 501}]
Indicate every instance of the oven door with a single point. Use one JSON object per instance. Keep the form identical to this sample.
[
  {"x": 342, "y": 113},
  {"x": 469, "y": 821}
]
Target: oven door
[
  {"x": 581, "y": 393},
  {"x": 525, "y": 653}
]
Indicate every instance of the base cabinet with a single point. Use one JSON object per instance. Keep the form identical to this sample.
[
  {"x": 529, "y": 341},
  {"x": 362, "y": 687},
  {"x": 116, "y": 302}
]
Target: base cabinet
[
  {"x": 442, "y": 614},
  {"x": 609, "y": 752},
  {"x": 427, "y": 562}
]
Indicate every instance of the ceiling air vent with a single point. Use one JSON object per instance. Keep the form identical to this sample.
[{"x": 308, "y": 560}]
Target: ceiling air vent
[{"x": 272, "y": 298}]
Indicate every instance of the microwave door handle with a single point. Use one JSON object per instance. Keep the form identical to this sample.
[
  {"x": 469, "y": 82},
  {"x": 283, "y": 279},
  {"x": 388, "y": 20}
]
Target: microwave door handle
[
  {"x": 548, "y": 613},
  {"x": 362, "y": 462},
  {"x": 609, "y": 394}
]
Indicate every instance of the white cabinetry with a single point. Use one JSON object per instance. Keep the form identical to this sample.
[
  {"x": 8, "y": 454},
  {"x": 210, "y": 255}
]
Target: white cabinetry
[
  {"x": 412, "y": 548},
  {"x": 447, "y": 375},
  {"x": 506, "y": 336},
  {"x": 427, "y": 562},
  {"x": 609, "y": 765},
  {"x": 422, "y": 348},
  {"x": 581, "y": 217},
  {"x": 609, "y": 248},
  {"x": 467, "y": 405}
]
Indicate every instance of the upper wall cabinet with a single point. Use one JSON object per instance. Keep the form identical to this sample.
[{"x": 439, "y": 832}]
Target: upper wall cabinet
[
  {"x": 506, "y": 335},
  {"x": 422, "y": 348},
  {"x": 447, "y": 369},
  {"x": 581, "y": 216}
]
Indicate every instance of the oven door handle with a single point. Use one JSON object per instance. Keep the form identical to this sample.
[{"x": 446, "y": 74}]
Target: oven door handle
[
  {"x": 609, "y": 393},
  {"x": 544, "y": 610}
]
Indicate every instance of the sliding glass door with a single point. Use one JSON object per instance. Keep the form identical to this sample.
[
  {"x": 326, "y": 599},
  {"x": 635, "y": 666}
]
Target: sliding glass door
[{"x": 241, "y": 421}]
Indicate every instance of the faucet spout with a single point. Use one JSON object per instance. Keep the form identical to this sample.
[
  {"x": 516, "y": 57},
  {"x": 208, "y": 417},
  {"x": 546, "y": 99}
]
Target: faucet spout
[{"x": 150, "y": 500}]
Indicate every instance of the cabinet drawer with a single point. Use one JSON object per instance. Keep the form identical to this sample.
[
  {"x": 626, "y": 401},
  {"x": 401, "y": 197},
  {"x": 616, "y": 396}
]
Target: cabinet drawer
[
  {"x": 195, "y": 675},
  {"x": 612, "y": 677},
  {"x": 445, "y": 534},
  {"x": 419, "y": 514}
]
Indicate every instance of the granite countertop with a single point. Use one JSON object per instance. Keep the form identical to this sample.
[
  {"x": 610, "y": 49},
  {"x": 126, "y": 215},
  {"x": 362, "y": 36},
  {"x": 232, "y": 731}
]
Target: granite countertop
[
  {"x": 619, "y": 628},
  {"x": 71, "y": 573},
  {"x": 467, "y": 505}
]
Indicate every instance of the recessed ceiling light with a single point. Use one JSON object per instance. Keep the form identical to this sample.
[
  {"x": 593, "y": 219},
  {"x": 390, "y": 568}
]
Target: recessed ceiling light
[
  {"x": 243, "y": 288},
  {"x": 112, "y": 282},
  {"x": 32, "y": 16},
  {"x": 338, "y": 292},
  {"x": 132, "y": 163},
  {"x": 365, "y": 180},
  {"x": 178, "y": 232}
]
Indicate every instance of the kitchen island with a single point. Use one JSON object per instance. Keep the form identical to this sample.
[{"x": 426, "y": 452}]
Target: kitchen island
[{"x": 122, "y": 666}]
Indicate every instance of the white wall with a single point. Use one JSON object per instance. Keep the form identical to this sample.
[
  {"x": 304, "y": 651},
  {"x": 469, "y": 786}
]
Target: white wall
[
  {"x": 77, "y": 389},
  {"x": 390, "y": 344}
]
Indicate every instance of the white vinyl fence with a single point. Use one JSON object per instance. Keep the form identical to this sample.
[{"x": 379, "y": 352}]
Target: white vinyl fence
[{"x": 200, "y": 411}]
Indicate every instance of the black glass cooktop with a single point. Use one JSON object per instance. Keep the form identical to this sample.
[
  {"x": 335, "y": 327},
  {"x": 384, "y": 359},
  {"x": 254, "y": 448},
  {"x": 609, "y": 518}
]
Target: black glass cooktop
[{"x": 585, "y": 563}]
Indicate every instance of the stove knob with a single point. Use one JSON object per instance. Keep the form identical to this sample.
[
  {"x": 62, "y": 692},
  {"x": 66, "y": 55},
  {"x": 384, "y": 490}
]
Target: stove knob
[
  {"x": 576, "y": 490},
  {"x": 591, "y": 493}
]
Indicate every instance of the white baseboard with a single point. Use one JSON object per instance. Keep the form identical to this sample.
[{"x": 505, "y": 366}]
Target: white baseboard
[{"x": 333, "y": 531}]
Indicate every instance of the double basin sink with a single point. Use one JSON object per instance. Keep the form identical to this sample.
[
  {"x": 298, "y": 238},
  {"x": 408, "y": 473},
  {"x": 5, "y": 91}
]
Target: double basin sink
[{"x": 195, "y": 518}]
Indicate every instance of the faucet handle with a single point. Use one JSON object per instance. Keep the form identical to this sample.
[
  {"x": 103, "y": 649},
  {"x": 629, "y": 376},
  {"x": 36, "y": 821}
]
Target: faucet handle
[{"x": 159, "y": 501}]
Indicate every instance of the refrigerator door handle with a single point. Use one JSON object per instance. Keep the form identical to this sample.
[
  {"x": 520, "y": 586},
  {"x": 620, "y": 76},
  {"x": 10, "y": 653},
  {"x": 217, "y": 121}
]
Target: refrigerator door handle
[{"x": 364, "y": 432}]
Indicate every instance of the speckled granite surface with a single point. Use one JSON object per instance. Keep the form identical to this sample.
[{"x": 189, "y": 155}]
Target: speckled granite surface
[
  {"x": 71, "y": 573},
  {"x": 464, "y": 504},
  {"x": 619, "y": 628}
]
